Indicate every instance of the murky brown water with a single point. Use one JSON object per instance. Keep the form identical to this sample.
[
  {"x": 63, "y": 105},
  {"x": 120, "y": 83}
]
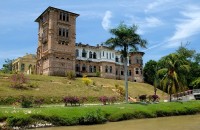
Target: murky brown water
[{"x": 166, "y": 123}]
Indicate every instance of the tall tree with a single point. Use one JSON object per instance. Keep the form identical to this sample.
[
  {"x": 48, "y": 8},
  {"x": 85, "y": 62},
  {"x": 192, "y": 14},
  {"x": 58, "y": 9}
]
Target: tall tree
[
  {"x": 125, "y": 38},
  {"x": 7, "y": 66},
  {"x": 174, "y": 79},
  {"x": 150, "y": 71}
]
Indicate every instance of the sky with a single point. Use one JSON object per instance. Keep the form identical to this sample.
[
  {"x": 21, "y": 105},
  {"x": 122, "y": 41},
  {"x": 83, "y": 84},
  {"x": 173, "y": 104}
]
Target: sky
[{"x": 165, "y": 24}]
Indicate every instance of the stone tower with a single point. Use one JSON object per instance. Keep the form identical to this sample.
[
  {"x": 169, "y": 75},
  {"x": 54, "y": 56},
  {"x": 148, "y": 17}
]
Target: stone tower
[{"x": 56, "y": 42}]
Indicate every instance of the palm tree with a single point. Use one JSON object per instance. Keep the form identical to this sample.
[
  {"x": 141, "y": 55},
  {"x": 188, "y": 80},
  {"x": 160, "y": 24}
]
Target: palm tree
[
  {"x": 125, "y": 38},
  {"x": 174, "y": 73}
]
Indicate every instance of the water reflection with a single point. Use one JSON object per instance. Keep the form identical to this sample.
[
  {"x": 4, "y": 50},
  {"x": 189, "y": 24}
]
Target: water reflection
[{"x": 165, "y": 123}]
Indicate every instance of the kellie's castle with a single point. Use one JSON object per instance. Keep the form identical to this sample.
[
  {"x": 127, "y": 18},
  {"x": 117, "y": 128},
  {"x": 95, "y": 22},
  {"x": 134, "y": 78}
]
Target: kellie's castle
[{"x": 58, "y": 52}]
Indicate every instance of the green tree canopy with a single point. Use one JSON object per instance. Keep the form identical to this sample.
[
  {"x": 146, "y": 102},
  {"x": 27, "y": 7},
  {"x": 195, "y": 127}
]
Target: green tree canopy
[
  {"x": 174, "y": 79},
  {"x": 150, "y": 70},
  {"x": 125, "y": 38}
]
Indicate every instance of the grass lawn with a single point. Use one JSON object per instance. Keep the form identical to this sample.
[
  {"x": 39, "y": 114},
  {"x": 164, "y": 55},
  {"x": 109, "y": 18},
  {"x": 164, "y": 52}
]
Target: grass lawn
[{"x": 95, "y": 114}]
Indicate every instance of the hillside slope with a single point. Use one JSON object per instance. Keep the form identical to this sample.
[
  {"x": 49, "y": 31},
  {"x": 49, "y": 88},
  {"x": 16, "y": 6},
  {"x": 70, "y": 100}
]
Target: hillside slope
[{"x": 52, "y": 86}]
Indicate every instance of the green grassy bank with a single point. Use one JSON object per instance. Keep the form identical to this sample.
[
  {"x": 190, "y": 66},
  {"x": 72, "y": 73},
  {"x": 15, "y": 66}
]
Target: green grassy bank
[
  {"x": 84, "y": 115},
  {"x": 52, "y": 89}
]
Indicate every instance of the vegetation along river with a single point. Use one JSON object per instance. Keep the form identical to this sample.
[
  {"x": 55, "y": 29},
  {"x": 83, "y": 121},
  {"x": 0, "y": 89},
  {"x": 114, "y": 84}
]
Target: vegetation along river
[{"x": 191, "y": 122}]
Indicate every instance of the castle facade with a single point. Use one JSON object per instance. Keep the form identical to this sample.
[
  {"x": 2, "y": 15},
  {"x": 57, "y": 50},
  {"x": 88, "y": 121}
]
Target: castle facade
[{"x": 58, "y": 52}]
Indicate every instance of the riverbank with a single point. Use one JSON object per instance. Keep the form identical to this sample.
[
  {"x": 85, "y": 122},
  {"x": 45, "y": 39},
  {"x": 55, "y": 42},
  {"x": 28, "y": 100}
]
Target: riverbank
[{"x": 87, "y": 115}]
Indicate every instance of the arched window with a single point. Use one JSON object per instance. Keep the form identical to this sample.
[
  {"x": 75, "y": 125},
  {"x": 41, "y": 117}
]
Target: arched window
[
  {"x": 84, "y": 68},
  {"x": 22, "y": 67},
  {"x": 77, "y": 53},
  {"x": 110, "y": 69},
  {"x": 90, "y": 54},
  {"x": 94, "y": 55},
  {"x": 106, "y": 69},
  {"x": 122, "y": 59},
  {"x": 116, "y": 59},
  {"x": 90, "y": 68},
  {"x": 84, "y": 53}
]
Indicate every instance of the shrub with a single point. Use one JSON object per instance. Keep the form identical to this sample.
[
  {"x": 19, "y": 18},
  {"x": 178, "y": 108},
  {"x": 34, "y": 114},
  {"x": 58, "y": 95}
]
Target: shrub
[
  {"x": 8, "y": 100},
  {"x": 83, "y": 100},
  {"x": 33, "y": 85},
  {"x": 98, "y": 74},
  {"x": 112, "y": 99},
  {"x": 38, "y": 102},
  {"x": 19, "y": 121},
  {"x": 155, "y": 98},
  {"x": 18, "y": 80},
  {"x": 26, "y": 102},
  {"x": 95, "y": 117},
  {"x": 104, "y": 99},
  {"x": 120, "y": 90},
  {"x": 70, "y": 75},
  {"x": 117, "y": 86},
  {"x": 86, "y": 80},
  {"x": 143, "y": 98},
  {"x": 72, "y": 100}
]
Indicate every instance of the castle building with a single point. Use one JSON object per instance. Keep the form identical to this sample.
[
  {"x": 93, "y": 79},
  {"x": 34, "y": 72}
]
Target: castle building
[
  {"x": 25, "y": 64},
  {"x": 58, "y": 52}
]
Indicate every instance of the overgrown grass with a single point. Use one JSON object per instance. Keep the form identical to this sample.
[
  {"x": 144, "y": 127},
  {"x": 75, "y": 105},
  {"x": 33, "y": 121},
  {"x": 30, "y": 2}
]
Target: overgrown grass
[
  {"x": 53, "y": 89},
  {"x": 64, "y": 116}
]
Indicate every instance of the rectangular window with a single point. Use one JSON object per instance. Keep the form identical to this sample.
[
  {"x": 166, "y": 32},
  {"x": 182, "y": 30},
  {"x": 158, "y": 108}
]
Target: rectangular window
[
  {"x": 122, "y": 72},
  {"x": 67, "y": 33},
  {"x": 63, "y": 32},
  {"x": 116, "y": 72},
  {"x": 67, "y": 17},
  {"x": 64, "y": 17},
  {"x": 61, "y": 16},
  {"x": 60, "y": 32},
  {"x": 129, "y": 72}
]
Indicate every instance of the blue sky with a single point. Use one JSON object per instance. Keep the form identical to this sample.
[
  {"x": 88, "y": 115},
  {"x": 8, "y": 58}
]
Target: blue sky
[{"x": 163, "y": 23}]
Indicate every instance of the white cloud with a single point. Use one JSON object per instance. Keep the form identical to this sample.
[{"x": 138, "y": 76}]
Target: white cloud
[
  {"x": 153, "y": 22},
  {"x": 187, "y": 27},
  {"x": 144, "y": 23},
  {"x": 106, "y": 23},
  {"x": 155, "y": 4}
]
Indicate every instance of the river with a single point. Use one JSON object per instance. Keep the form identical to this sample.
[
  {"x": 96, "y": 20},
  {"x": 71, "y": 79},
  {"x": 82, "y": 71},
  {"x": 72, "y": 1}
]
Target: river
[{"x": 191, "y": 122}]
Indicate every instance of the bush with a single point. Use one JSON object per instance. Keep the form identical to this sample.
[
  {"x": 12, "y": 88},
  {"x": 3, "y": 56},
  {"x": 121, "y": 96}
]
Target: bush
[
  {"x": 143, "y": 98},
  {"x": 120, "y": 90},
  {"x": 98, "y": 74},
  {"x": 104, "y": 99},
  {"x": 70, "y": 75},
  {"x": 18, "y": 81},
  {"x": 112, "y": 99},
  {"x": 86, "y": 80},
  {"x": 8, "y": 100},
  {"x": 95, "y": 117},
  {"x": 26, "y": 102},
  {"x": 72, "y": 100},
  {"x": 38, "y": 102},
  {"x": 33, "y": 85},
  {"x": 19, "y": 121}
]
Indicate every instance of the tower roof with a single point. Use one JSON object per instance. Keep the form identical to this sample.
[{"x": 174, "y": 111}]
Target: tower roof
[{"x": 53, "y": 8}]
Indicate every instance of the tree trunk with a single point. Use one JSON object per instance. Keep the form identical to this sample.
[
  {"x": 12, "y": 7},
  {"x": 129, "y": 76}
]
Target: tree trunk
[
  {"x": 125, "y": 79},
  {"x": 170, "y": 97}
]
